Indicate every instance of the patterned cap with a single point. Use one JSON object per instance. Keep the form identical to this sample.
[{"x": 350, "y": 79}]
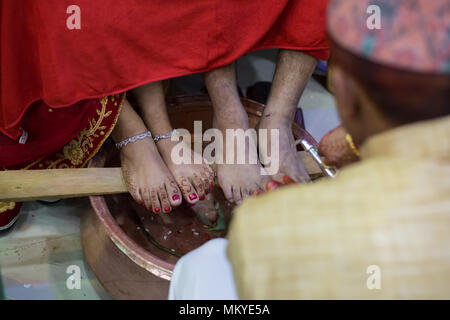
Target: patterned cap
[{"x": 413, "y": 35}]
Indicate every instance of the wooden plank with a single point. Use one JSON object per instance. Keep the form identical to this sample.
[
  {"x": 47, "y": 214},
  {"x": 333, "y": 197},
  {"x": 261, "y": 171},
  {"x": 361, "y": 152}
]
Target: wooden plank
[{"x": 29, "y": 185}]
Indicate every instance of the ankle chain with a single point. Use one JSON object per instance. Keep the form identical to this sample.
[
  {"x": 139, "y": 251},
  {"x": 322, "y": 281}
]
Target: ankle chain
[{"x": 141, "y": 136}]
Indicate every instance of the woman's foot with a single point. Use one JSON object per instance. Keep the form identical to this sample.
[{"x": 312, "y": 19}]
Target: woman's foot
[
  {"x": 194, "y": 180},
  {"x": 148, "y": 179}
]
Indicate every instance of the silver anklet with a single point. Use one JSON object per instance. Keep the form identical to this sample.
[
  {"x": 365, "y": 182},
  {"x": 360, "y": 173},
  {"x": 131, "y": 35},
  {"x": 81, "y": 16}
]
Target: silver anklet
[
  {"x": 141, "y": 136},
  {"x": 164, "y": 136}
]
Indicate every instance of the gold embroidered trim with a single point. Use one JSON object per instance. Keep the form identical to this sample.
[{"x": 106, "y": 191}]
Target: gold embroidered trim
[
  {"x": 5, "y": 206},
  {"x": 79, "y": 150},
  {"x": 111, "y": 128}
]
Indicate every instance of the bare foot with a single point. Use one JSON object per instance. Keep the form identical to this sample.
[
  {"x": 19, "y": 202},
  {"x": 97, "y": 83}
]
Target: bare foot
[
  {"x": 239, "y": 181},
  {"x": 194, "y": 180},
  {"x": 289, "y": 163},
  {"x": 148, "y": 179}
]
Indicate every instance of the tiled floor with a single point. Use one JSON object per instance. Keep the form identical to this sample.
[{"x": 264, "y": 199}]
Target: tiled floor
[
  {"x": 45, "y": 241},
  {"x": 36, "y": 252}
]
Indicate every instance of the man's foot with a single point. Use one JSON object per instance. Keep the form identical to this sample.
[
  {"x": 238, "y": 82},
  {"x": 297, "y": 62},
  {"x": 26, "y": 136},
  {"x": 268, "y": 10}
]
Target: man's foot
[
  {"x": 239, "y": 181},
  {"x": 289, "y": 163},
  {"x": 194, "y": 180},
  {"x": 148, "y": 179}
]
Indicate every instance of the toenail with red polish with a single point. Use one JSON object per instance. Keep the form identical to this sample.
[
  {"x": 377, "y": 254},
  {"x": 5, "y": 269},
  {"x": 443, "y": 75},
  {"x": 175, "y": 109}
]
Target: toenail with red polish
[
  {"x": 202, "y": 198},
  {"x": 166, "y": 209},
  {"x": 150, "y": 208},
  {"x": 212, "y": 185},
  {"x": 206, "y": 191},
  {"x": 272, "y": 185},
  {"x": 175, "y": 197},
  {"x": 157, "y": 210},
  {"x": 192, "y": 196}
]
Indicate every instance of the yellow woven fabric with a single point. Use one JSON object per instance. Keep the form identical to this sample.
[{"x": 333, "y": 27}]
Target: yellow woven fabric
[{"x": 391, "y": 210}]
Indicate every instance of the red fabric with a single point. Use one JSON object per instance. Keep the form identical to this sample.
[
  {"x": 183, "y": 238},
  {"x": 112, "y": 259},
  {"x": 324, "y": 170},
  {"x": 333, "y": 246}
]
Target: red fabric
[
  {"x": 7, "y": 216},
  {"x": 125, "y": 43},
  {"x": 48, "y": 129}
]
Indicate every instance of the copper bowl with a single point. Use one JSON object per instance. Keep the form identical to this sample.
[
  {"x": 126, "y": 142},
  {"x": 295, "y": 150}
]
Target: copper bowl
[{"x": 132, "y": 251}]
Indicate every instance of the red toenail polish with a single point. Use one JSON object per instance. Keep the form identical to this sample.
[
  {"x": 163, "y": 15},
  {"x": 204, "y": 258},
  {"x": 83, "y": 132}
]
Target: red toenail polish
[
  {"x": 272, "y": 185},
  {"x": 192, "y": 196},
  {"x": 175, "y": 197},
  {"x": 150, "y": 208},
  {"x": 166, "y": 209},
  {"x": 212, "y": 185},
  {"x": 202, "y": 198},
  {"x": 206, "y": 191},
  {"x": 157, "y": 210}
]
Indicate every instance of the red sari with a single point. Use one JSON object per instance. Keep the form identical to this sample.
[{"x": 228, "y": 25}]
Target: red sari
[{"x": 53, "y": 79}]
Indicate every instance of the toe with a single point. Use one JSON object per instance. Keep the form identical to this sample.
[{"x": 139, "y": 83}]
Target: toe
[
  {"x": 227, "y": 191},
  {"x": 209, "y": 175},
  {"x": 173, "y": 193},
  {"x": 237, "y": 196},
  {"x": 164, "y": 199},
  {"x": 263, "y": 182},
  {"x": 135, "y": 192},
  {"x": 147, "y": 199},
  {"x": 278, "y": 177},
  {"x": 245, "y": 193},
  {"x": 156, "y": 206},
  {"x": 188, "y": 191},
  {"x": 272, "y": 185},
  {"x": 206, "y": 182},
  {"x": 199, "y": 186}
]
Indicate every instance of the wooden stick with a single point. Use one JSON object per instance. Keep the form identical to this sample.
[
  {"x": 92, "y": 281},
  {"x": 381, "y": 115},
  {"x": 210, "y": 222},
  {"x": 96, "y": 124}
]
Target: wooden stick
[{"x": 29, "y": 185}]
